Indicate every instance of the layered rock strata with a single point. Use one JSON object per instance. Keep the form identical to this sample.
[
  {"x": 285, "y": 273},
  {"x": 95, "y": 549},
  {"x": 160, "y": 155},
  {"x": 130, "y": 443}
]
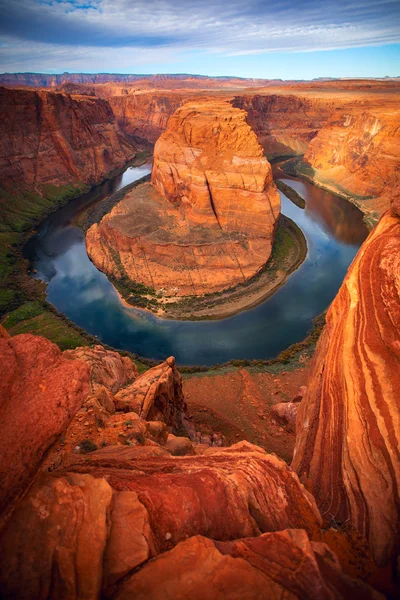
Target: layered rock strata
[
  {"x": 357, "y": 154},
  {"x": 207, "y": 221},
  {"x": 49, "y": 138},
  {"x": 130, "y": 518},
  {"x": 347, "y": 446}
]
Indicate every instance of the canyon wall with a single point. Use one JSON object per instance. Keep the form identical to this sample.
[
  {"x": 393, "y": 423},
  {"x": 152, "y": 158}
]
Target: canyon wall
[
  {"x": 142, "y": 117},
  {"x": 347, "y": 446},
  {"x": 207, "y": 221},
  {"x": 285, "y": 124},
  {"x": 357, "y": 154},
  {"x": 54, "y": 138}
]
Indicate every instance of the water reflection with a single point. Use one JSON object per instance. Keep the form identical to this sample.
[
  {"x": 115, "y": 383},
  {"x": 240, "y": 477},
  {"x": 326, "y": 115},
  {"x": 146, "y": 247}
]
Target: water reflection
[{"x": 334, "y": 231}]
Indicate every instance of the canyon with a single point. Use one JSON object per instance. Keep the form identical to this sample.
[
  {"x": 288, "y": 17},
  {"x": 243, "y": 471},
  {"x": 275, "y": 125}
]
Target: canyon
[
  {"x": 119, "y": 479},
  {"x": 121, "y": 469},
  {"x": 207, "y": 220}
]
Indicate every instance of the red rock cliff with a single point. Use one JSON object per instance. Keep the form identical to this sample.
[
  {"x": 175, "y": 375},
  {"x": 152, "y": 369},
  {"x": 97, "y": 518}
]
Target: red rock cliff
[
  {"x": 53, "y": 138},
  {"x": 348, "y": 424},
  {"x": 357, "y": 154}
]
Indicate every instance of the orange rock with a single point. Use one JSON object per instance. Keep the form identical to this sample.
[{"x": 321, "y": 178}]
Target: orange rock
[
  {"x": 57, "y": 139},
  {"x": 357, "y": 154},
  {"x": 109, "y": 371},
  {"x": 210, "y": 163},
  {"x": 275, "y": 565},
  {"x": 40, "y": 391},
  {"x": 346, "y": 443},
  {"x": 157, "y": 395},
  {"x": 184, "y": 495},
  {"x": 54, "y": 544},
  {"x": 286, "y": 413},
  {"x": 208, "y": 221}
]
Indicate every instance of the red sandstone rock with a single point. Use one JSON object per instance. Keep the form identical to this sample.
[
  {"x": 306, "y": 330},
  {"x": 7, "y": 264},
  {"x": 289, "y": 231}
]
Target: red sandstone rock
[
  {"x": 109, "y": 372},
  {"x": 156, "y": 396},
  {"x": 54, "y": 544},
  {"x": 57, "y": 139},
  {"x": 286, "y": 413},
  {"x": 347, "y": 446},
  {"x": 40, "y": 391},
  {"x": 184, "y": 495},
  {"x": 357, "y": 153},
  {"x": 274, "y": 565},
  {"x": 179, "y": 446}
]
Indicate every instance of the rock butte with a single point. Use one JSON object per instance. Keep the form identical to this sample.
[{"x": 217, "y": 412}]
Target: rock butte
[
  {"x": 347, "y": 445},
  {"x": 207, "y": 221}
]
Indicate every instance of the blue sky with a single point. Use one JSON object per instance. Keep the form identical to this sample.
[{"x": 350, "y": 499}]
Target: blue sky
[{"x": 288, "y": 39}]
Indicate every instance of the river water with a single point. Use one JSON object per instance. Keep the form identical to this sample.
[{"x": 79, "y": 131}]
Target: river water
[{"x": 334, "y": 231}]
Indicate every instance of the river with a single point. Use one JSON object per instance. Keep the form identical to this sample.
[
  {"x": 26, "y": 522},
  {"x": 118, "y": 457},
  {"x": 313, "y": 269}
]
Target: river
[{"x": 333, "y": 228}]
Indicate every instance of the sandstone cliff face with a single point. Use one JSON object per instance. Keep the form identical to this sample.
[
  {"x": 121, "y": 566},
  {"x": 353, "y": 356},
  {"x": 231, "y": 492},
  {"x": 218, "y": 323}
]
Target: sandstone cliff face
[
  {"x": 357, "y": 154},
  {"x": 57, "y": 139},
  {"x": 347, "y": 445},
  {"x": 142, "y": 117},
  {"x": 285, "y": 124},
  {"x": 207, "y": 221}
]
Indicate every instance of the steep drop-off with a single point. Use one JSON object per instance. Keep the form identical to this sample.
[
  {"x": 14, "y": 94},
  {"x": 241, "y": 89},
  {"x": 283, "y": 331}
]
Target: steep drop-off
[
  {"x": 207, "y": 221},
  {"x": 347, "y": 447},
  {"x": 357, "y": 155},
  {"x": 49, "y": 138},
  {"x": 285, "y": 124}
]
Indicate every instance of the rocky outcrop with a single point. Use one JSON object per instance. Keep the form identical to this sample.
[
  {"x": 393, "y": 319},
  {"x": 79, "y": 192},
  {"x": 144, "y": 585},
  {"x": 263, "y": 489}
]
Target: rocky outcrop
[
  {"x": 49, "y": 138},
  {"x": 201, "y": 568},
  {"x": 207, "y": 221},
  {"x": 356, "y": 154},
  {"x": 92, "y": 521},
  {"x": 40, "y": 391},
  {"x": 347, "y": 447},
  {"x": 156, "y": 396}
]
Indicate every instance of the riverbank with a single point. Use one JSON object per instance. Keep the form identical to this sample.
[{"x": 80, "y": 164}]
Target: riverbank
[
  {"x": 304, "y": 170},
  {"x": 289, "y": 251},
  {"x": 23, "y": 304}
]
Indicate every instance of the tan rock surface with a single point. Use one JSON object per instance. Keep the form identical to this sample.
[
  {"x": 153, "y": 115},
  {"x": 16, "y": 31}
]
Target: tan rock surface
[{"x": 347, "y": 447}]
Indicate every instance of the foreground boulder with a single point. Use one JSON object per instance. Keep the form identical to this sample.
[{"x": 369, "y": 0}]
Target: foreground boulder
[
  {"x": 40, "y": 391},
  {"x": 347, "y": 446},
  {"x": 275, "y": 565},
  {"x": 207, "y": 221}
]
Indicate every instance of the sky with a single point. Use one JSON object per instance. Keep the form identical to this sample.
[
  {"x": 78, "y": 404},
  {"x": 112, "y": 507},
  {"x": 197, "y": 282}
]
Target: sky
[{"x": 287, "y": 39}]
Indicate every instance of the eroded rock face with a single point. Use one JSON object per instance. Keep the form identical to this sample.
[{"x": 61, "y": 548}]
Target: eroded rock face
[
  {"x": 40, "y": 391},
  {"x": 53, "y": 138},
  {"x": 201, "y": 568},
  {"x": 347, "y": 445},
  {"x": 286, "y": 124},
  {"x": 207, "y": 223},
  {"x": 210, "y": 163},
  {"x": 77, "y": 532},
  {"x": 357, "y": 153}
]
